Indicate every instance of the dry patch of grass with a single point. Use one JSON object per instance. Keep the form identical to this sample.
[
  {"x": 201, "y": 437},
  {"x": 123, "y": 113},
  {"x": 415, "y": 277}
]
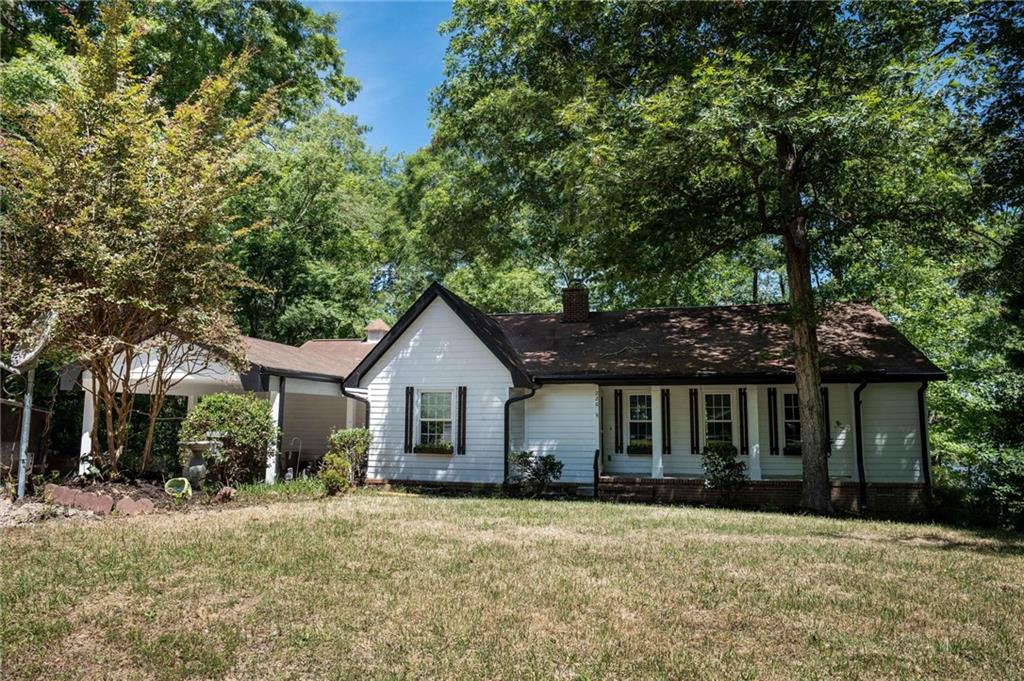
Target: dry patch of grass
[{"x": 385, "y": 586}]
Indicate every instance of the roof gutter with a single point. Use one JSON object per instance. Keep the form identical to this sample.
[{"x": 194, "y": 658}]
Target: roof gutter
[
  {"x": 508, "y": 404},
  {"x": 862, "y": 487},
  {"x": 357, "y": 398}
]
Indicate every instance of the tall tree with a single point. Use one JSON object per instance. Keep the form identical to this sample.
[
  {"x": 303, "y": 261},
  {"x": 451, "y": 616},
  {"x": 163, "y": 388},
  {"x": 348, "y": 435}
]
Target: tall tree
[
  {"x": 114, "y": 218},
  {"x": 329, "y": 228},
  {"x": 293, "y": 47},
  {"x": 657, "y": 135}
]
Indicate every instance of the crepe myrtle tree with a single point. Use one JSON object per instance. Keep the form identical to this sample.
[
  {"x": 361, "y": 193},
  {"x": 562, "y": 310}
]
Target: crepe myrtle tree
[
  {"x": 113, "y": 220},
  {"x": 660, "y": 134}
]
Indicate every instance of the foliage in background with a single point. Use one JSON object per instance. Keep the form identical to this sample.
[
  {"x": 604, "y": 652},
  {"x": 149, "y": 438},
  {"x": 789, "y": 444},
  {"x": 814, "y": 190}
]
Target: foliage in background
[
  {"x": 246, "y": 429},
  {"x": 985, "y": 487},
  {"x": 328, "y": 233},
  {"x": 294, "y": 48},
  {"x": 114, "y": 217},
  {"x": 352, "y": 444},
  {"x": 723, "y": 470},
  {"x": 533, "y": 475}
]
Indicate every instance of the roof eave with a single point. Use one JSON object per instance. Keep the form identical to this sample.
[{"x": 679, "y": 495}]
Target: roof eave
[{"x": 722, "y": 379}]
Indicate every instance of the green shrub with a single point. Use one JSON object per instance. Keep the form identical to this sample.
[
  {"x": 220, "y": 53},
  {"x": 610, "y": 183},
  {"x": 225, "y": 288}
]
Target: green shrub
[
  {"x": 531, "y": 474},
  {"x": 336, "y": 474},
  {"x": 986, "y": 488},
  {"x": 722, "y": 470},
  {"x": 246, "y": 430},
  {"x": 354, "y": 445}
]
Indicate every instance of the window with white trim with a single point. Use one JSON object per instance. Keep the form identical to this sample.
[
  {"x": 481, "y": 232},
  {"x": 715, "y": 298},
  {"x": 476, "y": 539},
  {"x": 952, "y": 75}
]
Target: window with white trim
[
  {"x": 791, "y": 419},
  {"x": 435, "y": 418},
  {"x": 718, "y": 417},
  {"x": 641, "y": 424}
]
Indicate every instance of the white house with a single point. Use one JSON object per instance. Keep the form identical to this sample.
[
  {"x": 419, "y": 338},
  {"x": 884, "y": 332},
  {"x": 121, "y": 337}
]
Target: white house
[{"x": 628, "y": 399}]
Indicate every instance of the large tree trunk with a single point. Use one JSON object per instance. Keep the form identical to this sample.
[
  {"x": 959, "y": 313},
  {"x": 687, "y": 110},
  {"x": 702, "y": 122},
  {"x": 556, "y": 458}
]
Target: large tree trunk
[{"x": 817, "y": 494}]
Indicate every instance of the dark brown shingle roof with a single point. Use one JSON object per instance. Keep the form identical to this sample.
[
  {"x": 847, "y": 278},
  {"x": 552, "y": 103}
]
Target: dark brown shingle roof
[
  {"x": 738, "y": 342},
  {"x": 709, "y": 342}
]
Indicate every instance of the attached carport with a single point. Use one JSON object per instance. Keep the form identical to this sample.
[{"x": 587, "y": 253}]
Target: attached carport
[{"x": 303, "y": 385}]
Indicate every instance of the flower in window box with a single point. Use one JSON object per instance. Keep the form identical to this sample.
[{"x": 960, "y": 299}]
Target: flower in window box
[
  {"x": 640, "y": 446},
  {"x": 434, "y": 448}
]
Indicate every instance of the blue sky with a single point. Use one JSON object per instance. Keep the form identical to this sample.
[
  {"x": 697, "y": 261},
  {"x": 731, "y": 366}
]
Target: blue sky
[{"x": 395, "y": 51}]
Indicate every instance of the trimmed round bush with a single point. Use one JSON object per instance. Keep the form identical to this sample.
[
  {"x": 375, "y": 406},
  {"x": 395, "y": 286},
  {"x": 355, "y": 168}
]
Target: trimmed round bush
[{"x": 244, "y": 426}]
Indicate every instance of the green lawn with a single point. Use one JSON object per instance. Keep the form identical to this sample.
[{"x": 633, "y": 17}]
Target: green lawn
[{"x": 399, "y": 586}]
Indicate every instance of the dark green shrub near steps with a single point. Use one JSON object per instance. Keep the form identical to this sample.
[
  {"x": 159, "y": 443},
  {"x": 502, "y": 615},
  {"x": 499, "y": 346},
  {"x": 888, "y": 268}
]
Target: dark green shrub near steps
[
  {"x": 533, "y": 475},
  {"x": 723, "y": 471}
]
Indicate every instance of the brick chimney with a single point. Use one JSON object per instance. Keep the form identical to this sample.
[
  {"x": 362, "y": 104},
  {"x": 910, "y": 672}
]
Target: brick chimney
[{"x": 575, "y": 303}]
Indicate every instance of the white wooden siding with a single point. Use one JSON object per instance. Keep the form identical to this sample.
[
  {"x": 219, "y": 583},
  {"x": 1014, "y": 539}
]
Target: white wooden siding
[
  {"x": 438, "y": 351},
  {"x": 892, "y": 450},
  {"x": 311, "y": 418},
  {"x": 842, "y": 463},
  {"x": 563, "y": 420}
]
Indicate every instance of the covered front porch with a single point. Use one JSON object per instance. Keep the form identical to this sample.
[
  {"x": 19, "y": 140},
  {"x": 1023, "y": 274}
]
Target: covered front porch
[{"x": 660, "y": 431}]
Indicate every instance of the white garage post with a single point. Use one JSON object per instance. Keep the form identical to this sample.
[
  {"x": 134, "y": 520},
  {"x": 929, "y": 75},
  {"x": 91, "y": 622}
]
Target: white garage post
[
  {"x": 753, "y": 434},
  {"x": 85, "y": 444},
  {"x": 657, "y": 468},
  {"x": 277, "y": 385}
]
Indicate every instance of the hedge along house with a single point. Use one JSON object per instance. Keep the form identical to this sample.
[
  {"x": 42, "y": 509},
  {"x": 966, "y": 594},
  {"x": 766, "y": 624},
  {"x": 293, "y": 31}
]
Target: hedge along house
[
  {"x": 627, "y": 400},
  {"x": 303, "y": 385}
]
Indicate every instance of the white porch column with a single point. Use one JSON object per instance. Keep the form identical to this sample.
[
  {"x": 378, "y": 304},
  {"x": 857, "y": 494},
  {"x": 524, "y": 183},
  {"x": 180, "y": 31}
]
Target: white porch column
[
  {"x": 85, "y": 444},
  {"x": 276, "y": 398},
  {"x": 657, "y": 468},
  {"x": 192, "y": 401},
  {"x": 350, "y": 412},
  {"x": 753, "y": 434}
]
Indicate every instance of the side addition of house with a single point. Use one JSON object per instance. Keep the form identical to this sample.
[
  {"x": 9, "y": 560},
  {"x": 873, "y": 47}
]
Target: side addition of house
[{"x": 627, "y": 400}]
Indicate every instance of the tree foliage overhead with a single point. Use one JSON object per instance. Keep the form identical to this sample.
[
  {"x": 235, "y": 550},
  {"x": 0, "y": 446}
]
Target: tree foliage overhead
[{"x": 293, "y": 48}]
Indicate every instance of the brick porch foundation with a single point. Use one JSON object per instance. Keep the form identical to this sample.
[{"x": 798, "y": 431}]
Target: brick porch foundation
[{"x": 891, "y": 499}]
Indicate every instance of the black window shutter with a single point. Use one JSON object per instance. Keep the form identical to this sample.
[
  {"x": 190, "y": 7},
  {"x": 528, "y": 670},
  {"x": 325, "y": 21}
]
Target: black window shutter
[
  {"x": 408, "y": 418},
  {"x": 694, "y": 422},
  {"x": 744, "y": 434},
  {"x": 461, "y": 446},
  {"x": 666, "y": 423},
  {"x": 773, "y": 423},
  {"x": 618, "y": 421},
  {"x": 828, "y": 419}
]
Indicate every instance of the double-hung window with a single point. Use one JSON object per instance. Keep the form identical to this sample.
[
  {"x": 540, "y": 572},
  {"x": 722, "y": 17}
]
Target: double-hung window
[
  {"x": 718, "y": 417},
  {"x": 791, "y": 423},
  {"x": 641, "y": 427},
  {"x": 435, "y": 419}
]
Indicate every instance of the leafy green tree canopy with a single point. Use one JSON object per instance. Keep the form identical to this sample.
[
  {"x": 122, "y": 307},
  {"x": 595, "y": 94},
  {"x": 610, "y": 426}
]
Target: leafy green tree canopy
[
  {"x": 294, "y": 47},
  {"x": 656, "y": 135}
]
